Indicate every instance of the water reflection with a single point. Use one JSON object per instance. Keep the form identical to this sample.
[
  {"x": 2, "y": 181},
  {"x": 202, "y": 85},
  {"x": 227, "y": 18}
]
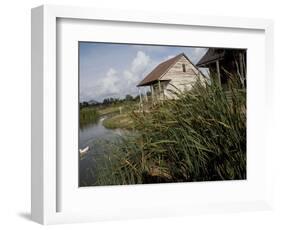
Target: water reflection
[{"x": 96, "y": 136}]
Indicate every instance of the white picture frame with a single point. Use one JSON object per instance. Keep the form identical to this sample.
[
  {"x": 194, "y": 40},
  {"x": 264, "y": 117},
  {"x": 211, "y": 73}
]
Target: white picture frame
[{"x": 45, "y": 167}]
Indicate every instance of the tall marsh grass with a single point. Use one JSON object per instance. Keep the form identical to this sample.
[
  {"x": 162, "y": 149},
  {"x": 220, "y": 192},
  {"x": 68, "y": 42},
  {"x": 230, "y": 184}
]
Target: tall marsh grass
[
  {"x": 88, "y": 115},
  {"x": 201, "y": 136}
]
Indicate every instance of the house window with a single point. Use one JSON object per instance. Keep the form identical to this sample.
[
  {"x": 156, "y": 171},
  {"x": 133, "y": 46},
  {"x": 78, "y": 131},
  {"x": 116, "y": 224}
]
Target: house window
[{"x": 183, "y": 68}]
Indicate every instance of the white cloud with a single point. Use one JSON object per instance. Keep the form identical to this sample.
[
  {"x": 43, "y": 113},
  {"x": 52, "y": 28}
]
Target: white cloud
[
  {"x": 140, "y": 62},
  {"x": 168, "y": 57},
  {"x": 119, "y": 83},
  {"x": 135, "y": 73},
  {"x": 108, "y": 83},
  {"x": 198, "y": 53}
]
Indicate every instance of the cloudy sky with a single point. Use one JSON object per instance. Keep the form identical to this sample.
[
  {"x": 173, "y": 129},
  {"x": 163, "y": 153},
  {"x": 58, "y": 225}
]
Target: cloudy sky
[{"x": 114, "y": 70}]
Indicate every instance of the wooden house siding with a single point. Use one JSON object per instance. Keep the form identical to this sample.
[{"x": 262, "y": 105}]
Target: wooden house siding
[
  {"x": 176, "y": 79},
  {"x": 177, "y": 74}
]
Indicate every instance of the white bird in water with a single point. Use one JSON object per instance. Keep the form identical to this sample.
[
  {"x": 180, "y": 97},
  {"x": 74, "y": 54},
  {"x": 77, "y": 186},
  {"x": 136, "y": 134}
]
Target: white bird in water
[{"x": 83, "y": 151}]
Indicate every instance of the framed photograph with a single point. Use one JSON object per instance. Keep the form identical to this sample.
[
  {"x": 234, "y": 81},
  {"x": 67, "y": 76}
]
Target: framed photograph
[{"x": 137, "y": 114}]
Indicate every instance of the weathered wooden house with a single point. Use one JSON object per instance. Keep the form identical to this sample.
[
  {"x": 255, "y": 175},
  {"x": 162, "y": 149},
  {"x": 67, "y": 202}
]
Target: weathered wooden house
[
  {"x": 225, "y": 65},
  {"x": 175, "y": 74}
]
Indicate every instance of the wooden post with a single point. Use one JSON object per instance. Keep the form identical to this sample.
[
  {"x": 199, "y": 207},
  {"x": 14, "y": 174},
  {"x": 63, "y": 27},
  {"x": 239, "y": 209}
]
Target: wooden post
[
  {"x": 218, "y": 72},
  {"x": 140, "y": 99},
  {"x": 241, "y": 60},
  {"x": 152, "y": 93},
  {"x": 145, "y": 95},
  {"x": 159, "y": 86},
  {"x": 160, "y": 92}
]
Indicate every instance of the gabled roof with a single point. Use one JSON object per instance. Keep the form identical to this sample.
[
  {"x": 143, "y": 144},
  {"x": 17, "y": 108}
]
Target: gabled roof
[
  {"x": 157, "y": 72},
  {"x": 162, "y": 68},
  {"x": 210, "y": 56}
]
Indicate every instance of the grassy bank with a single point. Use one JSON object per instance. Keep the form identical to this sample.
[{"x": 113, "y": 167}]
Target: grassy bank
[
  {"x": 123, "y": 121},
  {"x": 119, "y": 115},
  {"x": 108, "y": 109},
  {"x": 199, "y": 137},
  {"x": 114, "y": 119}
]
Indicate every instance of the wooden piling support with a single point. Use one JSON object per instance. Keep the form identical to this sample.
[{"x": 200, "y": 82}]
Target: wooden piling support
[
  {"x": 140, "y": 99},
  {"x": 218, "y": 72},
  {"x": 152, "y": 94}
]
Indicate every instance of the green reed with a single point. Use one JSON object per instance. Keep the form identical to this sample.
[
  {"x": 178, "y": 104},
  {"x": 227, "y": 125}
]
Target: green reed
[
  {"x": 201, "y": 136},
  {"x": 88, "y": 115}
]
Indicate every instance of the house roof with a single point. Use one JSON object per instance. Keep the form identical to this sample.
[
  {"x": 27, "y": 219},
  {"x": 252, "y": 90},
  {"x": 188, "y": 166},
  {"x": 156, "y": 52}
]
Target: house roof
[
  {"x": 211, "y": 55},
  {"x": 157, "y": 72},
  {"x": 161, "y": 69}
]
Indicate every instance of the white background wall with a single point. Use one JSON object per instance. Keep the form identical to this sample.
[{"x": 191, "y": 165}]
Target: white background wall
[{"x": 15, "y": 113}]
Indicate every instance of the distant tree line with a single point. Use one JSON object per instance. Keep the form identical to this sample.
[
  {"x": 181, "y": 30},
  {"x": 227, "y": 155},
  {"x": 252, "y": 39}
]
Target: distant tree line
[{"x": 110, "y": 100}]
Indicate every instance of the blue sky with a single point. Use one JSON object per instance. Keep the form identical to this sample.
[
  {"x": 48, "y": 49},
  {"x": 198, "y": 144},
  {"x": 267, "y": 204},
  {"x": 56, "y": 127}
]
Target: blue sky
[{"x": 114, "y": 70}]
